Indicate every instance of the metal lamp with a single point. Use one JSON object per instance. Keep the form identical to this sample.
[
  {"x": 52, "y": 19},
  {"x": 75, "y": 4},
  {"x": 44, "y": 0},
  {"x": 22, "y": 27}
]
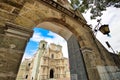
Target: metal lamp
[{"x": 104, "y": 29}]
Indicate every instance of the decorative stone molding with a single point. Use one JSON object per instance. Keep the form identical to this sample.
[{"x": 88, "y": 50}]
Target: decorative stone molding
[
  {"x": 59, "y": 7},
  {"x": 17, "y": 31},
  {"x": 86, "y": 49},
  {"x": 13, "y": 3}
]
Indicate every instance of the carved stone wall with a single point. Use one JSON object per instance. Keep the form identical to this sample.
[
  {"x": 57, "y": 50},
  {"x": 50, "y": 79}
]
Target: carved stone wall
[
  {"x": 13, "y": 41},
  {"x": 35, "y": 13}
]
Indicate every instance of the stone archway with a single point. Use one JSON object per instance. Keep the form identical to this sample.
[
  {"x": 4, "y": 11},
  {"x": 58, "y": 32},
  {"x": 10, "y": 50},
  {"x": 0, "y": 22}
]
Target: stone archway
[{"x": 18, "y": 17}]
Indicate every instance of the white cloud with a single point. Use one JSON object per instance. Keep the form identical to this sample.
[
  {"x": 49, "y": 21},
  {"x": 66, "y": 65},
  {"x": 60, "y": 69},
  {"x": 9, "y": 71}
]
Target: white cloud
[
  {"x": 59, "y": 40},
  {"x": 37, "y": 37},
  {"x": 29, "y": 55},
  {"x": 56, "y": 39},
  {"x": 26, "y": 56},
  {"x": 112, "y": 17}
]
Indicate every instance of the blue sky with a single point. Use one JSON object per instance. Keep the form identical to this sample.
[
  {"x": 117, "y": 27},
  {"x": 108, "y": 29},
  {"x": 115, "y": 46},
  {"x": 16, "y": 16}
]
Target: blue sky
[
  {"x": 111, "y": 17},
  {"x": 43, "y": 34},
  {"x": 32, "y": 45}
]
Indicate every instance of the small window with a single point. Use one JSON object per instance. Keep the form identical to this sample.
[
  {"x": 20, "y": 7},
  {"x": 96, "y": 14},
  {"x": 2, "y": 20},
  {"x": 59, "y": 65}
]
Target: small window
[
  {"x": 29, "y": 64},
  {"x": 52, "y": 56},
  {"x": 26, "y": 76},
  {"x": 44, "y": 60},
  {"x": 43, "y": 46}
]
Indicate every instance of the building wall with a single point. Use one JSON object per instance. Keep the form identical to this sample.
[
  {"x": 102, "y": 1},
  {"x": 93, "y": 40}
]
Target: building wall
[
  {"x": 47, "y": 63},
  {"x": 24, "y": 70},
  {"x": 116, "y": 59}
]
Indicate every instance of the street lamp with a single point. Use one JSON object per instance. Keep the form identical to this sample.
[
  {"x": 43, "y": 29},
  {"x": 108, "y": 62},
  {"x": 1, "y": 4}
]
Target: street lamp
[
  {"x": 109, "y": 46},
  {"x": 104, "y": 29}
]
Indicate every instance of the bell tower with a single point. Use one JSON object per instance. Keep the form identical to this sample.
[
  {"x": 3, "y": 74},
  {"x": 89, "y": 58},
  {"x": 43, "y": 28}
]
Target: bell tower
[
  {"x": 41, "y": 50},
  {"x": 42, "y": 44}
]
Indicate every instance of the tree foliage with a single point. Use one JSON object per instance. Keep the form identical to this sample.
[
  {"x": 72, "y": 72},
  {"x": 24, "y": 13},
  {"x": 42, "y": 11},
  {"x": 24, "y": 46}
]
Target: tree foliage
[
  {"x": 119, "y": 53},
  {"x": 96, "y": 6}
]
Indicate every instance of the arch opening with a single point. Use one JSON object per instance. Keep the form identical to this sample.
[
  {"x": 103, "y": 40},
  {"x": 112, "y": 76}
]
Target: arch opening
[
  {"x": 55, "y": 55},
  {"x": 73, "y": 45},
  {"x": 51, "y": 73},
  {"x": 56, "y": 28},
  {"x": 14, "y": 38}
]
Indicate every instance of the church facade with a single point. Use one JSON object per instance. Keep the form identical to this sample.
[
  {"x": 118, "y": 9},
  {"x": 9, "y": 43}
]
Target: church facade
[{"x": 48, "y": 63}]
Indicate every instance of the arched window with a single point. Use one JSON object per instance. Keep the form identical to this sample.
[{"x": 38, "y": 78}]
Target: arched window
[
  {"x": 43, "y": 46},
  {"x": 29, "y": 64},
  {"x": 51, "y": 73},
  {"x": 52, "y": 56},
  {"x": 26, "y": 76}
]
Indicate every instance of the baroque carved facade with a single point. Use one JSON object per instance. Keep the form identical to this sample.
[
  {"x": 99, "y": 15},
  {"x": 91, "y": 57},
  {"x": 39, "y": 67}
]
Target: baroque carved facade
[{"x": 47, "y": 63}]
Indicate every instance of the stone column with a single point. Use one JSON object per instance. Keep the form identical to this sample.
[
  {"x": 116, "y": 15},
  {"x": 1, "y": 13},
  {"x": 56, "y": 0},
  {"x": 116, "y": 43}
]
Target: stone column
[
  {"x": 77, "y": 65},
  {"x": 91, "y": 61},
  {"x": 13, "y": 40}
]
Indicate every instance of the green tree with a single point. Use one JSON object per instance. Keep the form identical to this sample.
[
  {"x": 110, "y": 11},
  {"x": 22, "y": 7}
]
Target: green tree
[
  {"x": 96, "y": 6},
  {"x": 119, "y": 53}
]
